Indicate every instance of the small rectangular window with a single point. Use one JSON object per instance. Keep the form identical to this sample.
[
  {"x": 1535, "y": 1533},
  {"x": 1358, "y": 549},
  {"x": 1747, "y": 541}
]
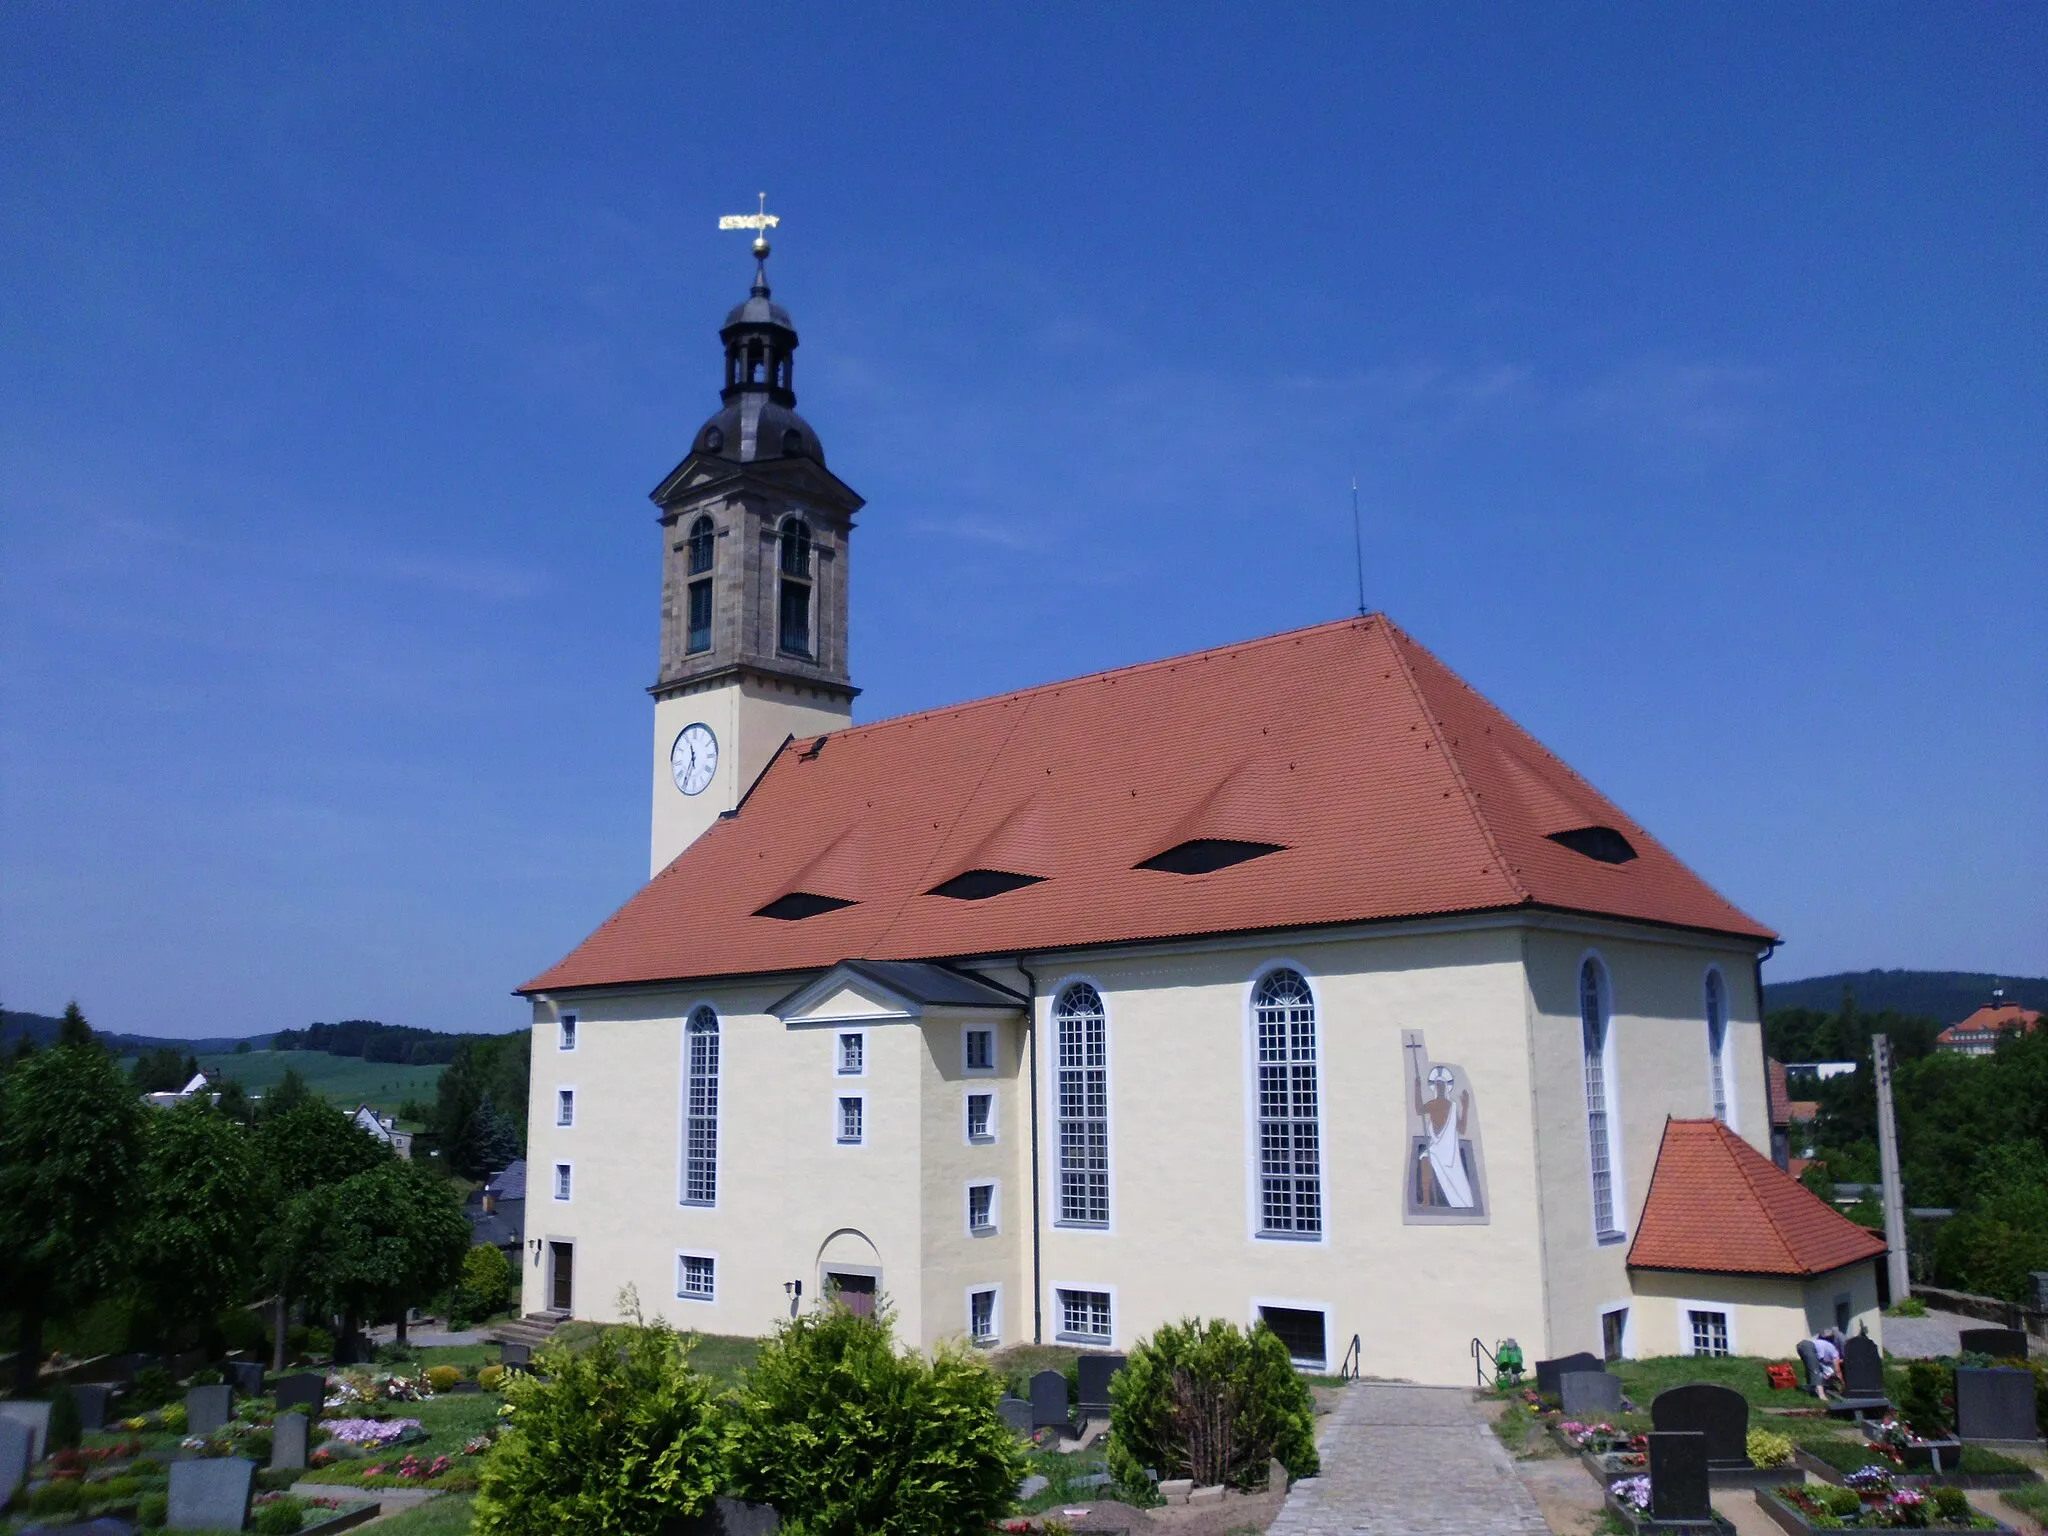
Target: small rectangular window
[
  {"x": 981, "y": 1316},
  {"x": 561, "y": 1181},
  {"x": 852, "y": 1051},
  {"x": 696, "y": 1277},
  {"x": 850, "y": 1115},
  {"x": 981, "y": 1050},
  {"x": 796, "y": 617},
  {"x": 565, "y": 1106},
  {"x": 1709, "y": 1333},
  {"x": 568, "y": 1024},
  {"x": 981, "y": 1207},
  {"x": 979, "y": 1107},
  {"x": 700, "y": 616},
  {"x": 1084, "y": 1316},
  {"x": 1302, "y": 1331}
]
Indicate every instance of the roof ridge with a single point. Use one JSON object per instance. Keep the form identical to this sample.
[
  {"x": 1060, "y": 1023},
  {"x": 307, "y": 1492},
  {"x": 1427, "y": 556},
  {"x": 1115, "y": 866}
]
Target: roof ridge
[
  {"x": 1257, "y": 642},
  {"x": 1507, "y": 871}
]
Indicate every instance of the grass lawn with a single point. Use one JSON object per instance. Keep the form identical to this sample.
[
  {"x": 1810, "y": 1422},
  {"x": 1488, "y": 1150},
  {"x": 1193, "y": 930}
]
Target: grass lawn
[
  {"x": 448, "y": 1421},
  {"x": 2032, "y": 1501},
  {"x": 469, "y": 1356},
  {"x": 1642, "y": 1380},
  {"x": 446, "y": 1516},
  {"x": 722, "y": 1356},
  {"x": 1063, "y": 1473},
  {"x": 344, "y": 1080}
]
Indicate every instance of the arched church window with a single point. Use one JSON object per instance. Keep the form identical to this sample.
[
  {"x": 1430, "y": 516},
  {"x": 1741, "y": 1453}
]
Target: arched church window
[
  {"x": 795, "y": 596},
  {"x": 703, "y": 538},
  {"x": 1081, "y": 1096},
  {"x": 754, "y": 363},
  {"x": 1595, "y": 1034},
  {"x": 1290, "y": 1131},
  {"x": 702, "y": 547},
  {"x": 700, "y": 1110},
  {"x": 1717, "y": 1043}
]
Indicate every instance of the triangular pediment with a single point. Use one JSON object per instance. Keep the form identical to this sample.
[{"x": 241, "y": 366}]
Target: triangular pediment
[{"x": 842, "y": 997}]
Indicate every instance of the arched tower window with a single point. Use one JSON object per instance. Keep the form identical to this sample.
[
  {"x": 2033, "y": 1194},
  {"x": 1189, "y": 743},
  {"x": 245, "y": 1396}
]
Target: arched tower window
[
  {"x": 703, "y": 544},
  {"x": 1717, "y": 1043},
  {"x": 1595, "y": 1038},
  {"x": 1290, "y": 1134},
  {"x": 700, "y": 1111},
  {"x": 1081, "y": 1094},
  {"x": 794, "y": 608}
]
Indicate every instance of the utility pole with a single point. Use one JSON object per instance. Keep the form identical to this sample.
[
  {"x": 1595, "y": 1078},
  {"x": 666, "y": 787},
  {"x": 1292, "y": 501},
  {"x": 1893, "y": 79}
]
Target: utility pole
[{"x": 1888, "y": 1169}]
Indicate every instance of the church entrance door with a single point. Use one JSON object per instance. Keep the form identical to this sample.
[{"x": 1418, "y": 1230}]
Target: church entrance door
[
  {"x": 561, "y": 1276},
  {"x": 856, "y": 1293}
]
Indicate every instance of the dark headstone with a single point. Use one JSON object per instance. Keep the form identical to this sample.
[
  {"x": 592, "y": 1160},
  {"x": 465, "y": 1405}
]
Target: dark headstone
[
  {"x": 1998, "y": 1343},
  {"x": 1589, "y": 1394},
  {"x": 14, "y": 1457},
  {"x": 1678, "y": 1476},
  {"x": 307, "y": 1390},
  {"x": 208, "y": 1408},
  {"x": 1049, "y": 1399},
  {"x": 1995, "y": 1404},
  {"x": 1719, "y": 1413},
  {"x": 1016, "y": 1413},
  {"x": 288, "y": 1443},
  {"x": 246, "y": 1377},
  {"x": 1548, "y": 1371},
  {"x": 2041, "y": 1289},
  {"x": 1094, "y": 1385},
  {"x": 95, "y": 1400},
  {"x": 1862, "y": 1368},
  {"x": 33, "y": 1417},
  {"x": 517, "y": 1357},
  {"x": 211, "y": 1493}
]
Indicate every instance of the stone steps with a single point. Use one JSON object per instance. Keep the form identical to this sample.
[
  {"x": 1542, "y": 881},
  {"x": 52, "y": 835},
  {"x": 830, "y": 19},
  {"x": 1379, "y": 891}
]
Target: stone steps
[{"x": 532, "y": 1330}]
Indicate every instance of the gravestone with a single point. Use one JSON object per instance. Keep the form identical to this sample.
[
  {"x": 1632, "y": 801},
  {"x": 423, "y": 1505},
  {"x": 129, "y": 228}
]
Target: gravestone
[
  {"x": 1033, "y": 1486},
  {"x": 246, "y": 1377},
  {"x": 1721, "y": 1414},
  {"x": 211, "y": 1493},
  {"x": 1016, "y": 1413},
  {"x": 1678, "y": 1476},
  {"x": 1548, "y": 1371},
  {"x": 33, "y": 1417},
  {"x": 1862, "y": 1368},
  {"x": 1094, "y": 1385},
  {"x": 288, "y": 1443},
  {"x": 207, "y": 1408},
  {"x": 1995, "y": 1405},
  {"x": 1049, "y": 1400},
  {"x": 517, "y": 1357},
  {"x": 1998, "y": 1343},
  {"x": 307, "y": 1390},
  {"x": 95, "y": 1399},
  {"x": 14, "y": 1457},
  {"x": 1589, "y": 1394}
]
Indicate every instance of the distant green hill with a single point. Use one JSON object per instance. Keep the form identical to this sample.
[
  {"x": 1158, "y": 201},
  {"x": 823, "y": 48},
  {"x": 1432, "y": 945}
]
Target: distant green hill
[
  {"x": 1943, "y": 995},
  {"x": 343, "y": 1080},
  {"x": 42, "y": 1029}
]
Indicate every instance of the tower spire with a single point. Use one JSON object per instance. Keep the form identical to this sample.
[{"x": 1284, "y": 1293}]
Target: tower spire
[{"x": 760, "y": 222}]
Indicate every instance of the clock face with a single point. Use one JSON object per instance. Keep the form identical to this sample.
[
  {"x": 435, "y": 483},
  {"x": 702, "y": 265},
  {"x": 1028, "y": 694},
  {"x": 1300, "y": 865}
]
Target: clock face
[{"x": 694, "y": 759}]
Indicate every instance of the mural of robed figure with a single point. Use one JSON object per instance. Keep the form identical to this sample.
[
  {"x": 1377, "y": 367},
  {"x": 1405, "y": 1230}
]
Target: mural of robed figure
[{"x": 1444, "y": 1181}]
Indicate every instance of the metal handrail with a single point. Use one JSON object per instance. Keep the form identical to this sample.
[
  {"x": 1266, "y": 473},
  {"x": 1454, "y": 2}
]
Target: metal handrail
[
  {"x": 1478, "y": 1370},
  {"x": 1349, "y": 1369}
]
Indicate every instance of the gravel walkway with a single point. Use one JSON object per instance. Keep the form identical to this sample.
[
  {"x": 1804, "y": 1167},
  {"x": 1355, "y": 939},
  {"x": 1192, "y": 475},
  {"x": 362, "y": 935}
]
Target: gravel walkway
[
  {"x": 1924, "y": 1338},
  {"x": 1410, "y": 1461}
]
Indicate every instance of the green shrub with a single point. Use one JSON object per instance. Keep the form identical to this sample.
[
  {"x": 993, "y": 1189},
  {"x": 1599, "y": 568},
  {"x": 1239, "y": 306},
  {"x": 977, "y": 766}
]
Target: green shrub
[
  {"x": 442, "y": 1378},
  {"x": 153, "y": 1510},
  {"x": 846, "y": 1436},
  {"x": 1204, "y": 1400},
  {"x": 1923, "y": 1404},
  {"x": 152, "y": 1385},
  {"x": 56, "y": 1499},
  {"x": 1838, "y": 1501},
  {"x": 486, "y": 1284},
  {"x": 66, "y": 1428},
  {"x": 115, "y": 1490},
  {"x": 1767, "y": 1449},
  {"x": 280, "y": 1517},
  {"x": 1907, "y": 1306},
  {"x": 491, "y": 1377},
  {"x": 1952, "y": 1505},
  {"x": 618, "y": 1438}
]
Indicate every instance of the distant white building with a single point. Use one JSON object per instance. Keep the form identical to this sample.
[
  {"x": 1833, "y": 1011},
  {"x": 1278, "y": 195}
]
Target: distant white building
[
  {"x": 384, "y": 1128},
  {"x": 199, "y": 1084}
]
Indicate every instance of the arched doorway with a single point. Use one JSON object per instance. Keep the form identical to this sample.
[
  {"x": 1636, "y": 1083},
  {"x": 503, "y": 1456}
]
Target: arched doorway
[{"x": 850, "y": 1269}]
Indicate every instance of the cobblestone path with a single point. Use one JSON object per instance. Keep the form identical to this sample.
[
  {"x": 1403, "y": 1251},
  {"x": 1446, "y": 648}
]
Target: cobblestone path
[{"x": 1410, "y": 1461}]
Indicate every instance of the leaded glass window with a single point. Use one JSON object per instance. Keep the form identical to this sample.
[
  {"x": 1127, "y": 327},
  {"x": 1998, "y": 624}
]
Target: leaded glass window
[
  {"x": 1593, "y": 1026},
  {"x": 700, "y": 1120},
  {"x": 1290, "y": 1136},
  {"x": 703, "y": 539},
  {"x": 1717, "y": 1042},
  {"x": 1082, "y": 1098}
]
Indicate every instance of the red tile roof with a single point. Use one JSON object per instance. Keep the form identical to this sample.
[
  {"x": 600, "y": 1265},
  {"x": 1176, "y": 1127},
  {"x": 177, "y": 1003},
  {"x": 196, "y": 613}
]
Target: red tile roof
[
  {"x": 1393, "y": 788},
  {"x": 1718, "y": 1205},
  {"x": 1779, "y": 1095},
  {"x": 1989, "y": 1020}
]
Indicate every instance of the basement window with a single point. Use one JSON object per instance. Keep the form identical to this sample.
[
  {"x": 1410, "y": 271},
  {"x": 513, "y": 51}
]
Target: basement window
[
  {"x": 980, "y": 884},
  {"x": 1602, "y": 843},
  {"x": 798, "y": 905},
  {"x": 1303, "y": 1331},
  {"x": 1204, "y": 855}
]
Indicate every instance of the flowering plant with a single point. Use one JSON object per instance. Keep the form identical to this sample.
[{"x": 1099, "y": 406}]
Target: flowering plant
[
  {"x": 1633, "y": 1492},
  {"x": 1870, "y": 1479},
  {"x": 476, "y": 1445},
  {"x": 374, "y": 1432},
  {"x": 322, "y": 1457}
]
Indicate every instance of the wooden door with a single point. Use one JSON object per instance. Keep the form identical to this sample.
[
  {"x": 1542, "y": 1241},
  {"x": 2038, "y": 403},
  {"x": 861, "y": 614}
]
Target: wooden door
[
  {"x": 562, "y": 1290},
  {"x": 856, "y": 1293}
]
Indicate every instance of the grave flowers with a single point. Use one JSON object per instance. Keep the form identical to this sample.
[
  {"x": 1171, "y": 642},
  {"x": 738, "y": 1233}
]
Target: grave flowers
[
  {"x": 1634, "y": 1492},
  {"x": 373, "y": 1432}
]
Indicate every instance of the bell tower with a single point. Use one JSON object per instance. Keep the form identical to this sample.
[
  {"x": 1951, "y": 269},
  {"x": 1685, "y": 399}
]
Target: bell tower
[{"x": 754, "y": 539}]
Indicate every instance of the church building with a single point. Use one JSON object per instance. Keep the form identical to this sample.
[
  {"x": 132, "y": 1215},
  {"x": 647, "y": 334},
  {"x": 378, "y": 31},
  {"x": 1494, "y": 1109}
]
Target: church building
[{"x": 1289, "y": 980}]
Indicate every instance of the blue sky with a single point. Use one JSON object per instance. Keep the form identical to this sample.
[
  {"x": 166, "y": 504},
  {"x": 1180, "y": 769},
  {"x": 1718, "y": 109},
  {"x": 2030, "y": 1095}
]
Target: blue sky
[{"x": 1692, "y": 361}]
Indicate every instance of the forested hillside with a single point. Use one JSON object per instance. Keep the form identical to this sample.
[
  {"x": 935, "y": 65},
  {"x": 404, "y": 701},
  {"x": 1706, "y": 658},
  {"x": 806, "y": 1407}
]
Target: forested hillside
[{"x": 1943, "y": 995}]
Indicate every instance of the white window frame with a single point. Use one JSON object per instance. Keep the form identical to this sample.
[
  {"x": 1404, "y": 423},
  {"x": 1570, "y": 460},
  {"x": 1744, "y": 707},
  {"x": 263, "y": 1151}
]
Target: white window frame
[
  {"x": 1255, "y": 1119},
  {"x": 1318, "y": 1367},
  {"x": 839, "y": 1039},
  {"x": 967, "y": 1034},
  {"x": 989, "y": 1134},
  {"x": 565, "y": 1032},
  {"x": 839, "y": 1103},
  {"x": 717, "y": 1116},
  {"x": 682, "y": 1256},
  {"x": 1054, "y": 1147},
  {"x": 995, "y": 1316},
  {"x": 565, "y": 1098},
  {"x": 995, "y": 1207},
  {"x": 1720, "y": 1079},
  {"x": 563, "y": 1184},
  {"x": 1610, "y": 1095},
  {"x": 1726, "y": 1309},
  {"x": 1095, "y": 1287}
]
